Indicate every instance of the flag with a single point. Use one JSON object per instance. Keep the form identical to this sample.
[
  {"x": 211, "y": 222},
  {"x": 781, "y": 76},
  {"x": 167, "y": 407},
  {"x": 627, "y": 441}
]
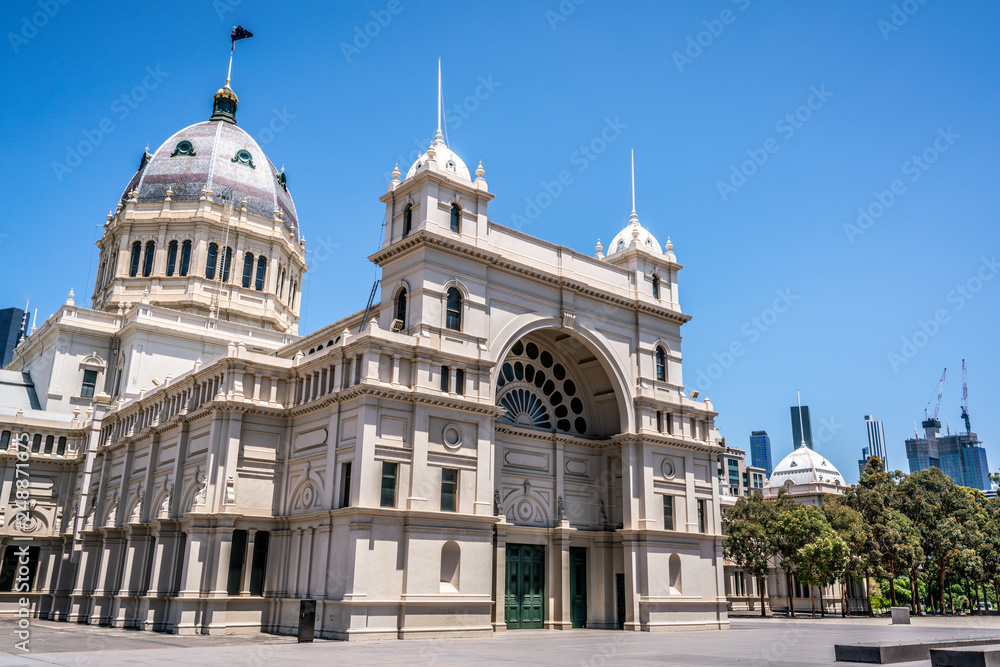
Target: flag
[{"x": 239, "y": 32}]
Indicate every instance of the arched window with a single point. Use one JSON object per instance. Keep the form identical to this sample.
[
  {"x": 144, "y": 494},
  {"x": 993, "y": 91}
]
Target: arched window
[
  {"x": 454, "y": 310},
  {"x": 147, "y": 263},
  {"x": 401, "y": 308},
  {"x": 407, "y": 219},
  {"x": 212, "y": 262},
  {"x": 112, "y": 267},
  {"x": 291, "y": 294},
  {"x": 133, "y": 266},
  {"x": 171, "y": 257},
  {"x": 661, "y": 364},
  {"x": 456, "y": 218},
  {"x": 445, "y": 379},
  {"x": 247, "y": 269},
  {"x": 185, "y": 257},
  {"x": 281, "y": 284},
  {"x": 459, "y": 381},
  {"x": 656, "y": 286},
  {"x": 261, "y": 273},
  {"x": 100, "y": 275},
  {"x": 226, "y": 264},
  {"x": 451, "y": 557}
]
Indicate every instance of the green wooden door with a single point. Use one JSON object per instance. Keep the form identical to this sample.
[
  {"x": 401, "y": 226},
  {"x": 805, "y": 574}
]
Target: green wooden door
[
  {"x": 525, "y": 598},
  {"x": 578, "y": 586}
]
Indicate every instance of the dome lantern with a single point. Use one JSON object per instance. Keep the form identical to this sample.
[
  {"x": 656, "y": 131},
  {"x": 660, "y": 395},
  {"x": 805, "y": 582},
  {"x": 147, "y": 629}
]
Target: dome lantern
[{"x": 224, "y": 104}]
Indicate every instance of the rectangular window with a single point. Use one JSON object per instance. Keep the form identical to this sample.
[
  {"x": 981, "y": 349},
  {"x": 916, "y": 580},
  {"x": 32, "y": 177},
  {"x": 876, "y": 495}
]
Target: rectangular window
[
  {"x": 345, "y": 485},
  {"x": 459, "y": 381},
  {"x": 659, "y": 422},
  {"x": 258, "y": 566},
  {"x": 670, "y": 424},
  {"x": 734, "y": 473},
  {"x": 4, "y": 440},
  {"x": 668, "y": 512},
  {"x": 449, "y": 490},
  {"x": 702, "y": 519},
  {"x": 89, "y": 384},
  {"x": 357, "y": 369},
  {"x": 389, "y": 470},
  {"x": 237, "y": 557},
  {"x": 445, "y": 379}
]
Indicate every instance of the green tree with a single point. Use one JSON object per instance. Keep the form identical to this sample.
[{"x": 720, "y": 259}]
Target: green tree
[
  {"x": 795, "y": 527},
  {"x": 749, "y": 543},
  {"x": 821, "y": 561},
  {"x": 856, "y": 533},
  {"x": 942, "y": 513},
  {"x": 899, "y": 546}
]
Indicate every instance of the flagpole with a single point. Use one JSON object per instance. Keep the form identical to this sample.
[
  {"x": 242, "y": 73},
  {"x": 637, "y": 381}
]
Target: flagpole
[
  {"x": 439, "y": 96},
  {"x": 229, "y": 72}
]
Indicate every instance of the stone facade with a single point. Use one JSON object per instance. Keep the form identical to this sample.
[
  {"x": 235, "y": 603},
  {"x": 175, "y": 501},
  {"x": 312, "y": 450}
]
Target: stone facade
[{"x": 502, "y": 441}]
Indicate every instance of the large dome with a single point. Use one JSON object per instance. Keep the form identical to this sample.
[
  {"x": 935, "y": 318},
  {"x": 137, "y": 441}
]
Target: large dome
[
  {"x": 805, "y": 466},
  {"x": 219, "y": 156}
]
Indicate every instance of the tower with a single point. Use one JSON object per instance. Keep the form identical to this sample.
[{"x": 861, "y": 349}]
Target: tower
[
  {"x": 760, "y": 451},
  {"x": 801, "y": 427}
]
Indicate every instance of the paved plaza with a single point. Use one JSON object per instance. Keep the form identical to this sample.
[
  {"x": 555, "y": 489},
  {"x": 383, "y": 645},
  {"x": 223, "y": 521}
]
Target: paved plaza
[{"x": 776, "y": 642}]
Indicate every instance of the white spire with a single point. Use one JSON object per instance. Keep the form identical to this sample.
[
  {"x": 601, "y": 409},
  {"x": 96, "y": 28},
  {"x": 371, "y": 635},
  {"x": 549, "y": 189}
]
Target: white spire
[
  {"x": 633, "y": 181},
  {"x": 802, "y": 431},
  {"x": 439, "y": 100}
]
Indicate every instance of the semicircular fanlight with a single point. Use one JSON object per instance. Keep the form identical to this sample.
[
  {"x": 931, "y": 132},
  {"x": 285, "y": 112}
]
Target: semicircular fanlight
[{"x": 524, "y": 408}]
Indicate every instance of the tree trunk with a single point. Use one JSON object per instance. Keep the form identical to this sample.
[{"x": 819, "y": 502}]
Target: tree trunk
[
  {"x": 892, "y": 590},
  {"x": 996, "y": 591},
  {"x": 812, "y": 601},
  {"x": 868, "y": 593},
  {"x": 822, "y": 609},
  {"x": 791, "y": 599},
  {"x": 760, "y": 589},
  {"x": 915, "y": 585},
  {"x": 941, "y": 586},
  {"x": 845, "y": 608}
]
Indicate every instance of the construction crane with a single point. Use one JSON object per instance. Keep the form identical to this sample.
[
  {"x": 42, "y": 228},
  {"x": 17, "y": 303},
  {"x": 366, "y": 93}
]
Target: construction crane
[
  {"x": 965, "y": 399},
  {"x": 937, "y": 407}
]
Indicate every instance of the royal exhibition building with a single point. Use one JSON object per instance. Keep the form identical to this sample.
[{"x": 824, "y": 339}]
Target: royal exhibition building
[{"x": 502, "y": 440}]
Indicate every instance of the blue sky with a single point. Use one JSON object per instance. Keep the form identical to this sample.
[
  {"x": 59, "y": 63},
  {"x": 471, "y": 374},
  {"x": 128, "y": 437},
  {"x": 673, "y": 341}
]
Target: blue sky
[{"x": 760, "y": 129}]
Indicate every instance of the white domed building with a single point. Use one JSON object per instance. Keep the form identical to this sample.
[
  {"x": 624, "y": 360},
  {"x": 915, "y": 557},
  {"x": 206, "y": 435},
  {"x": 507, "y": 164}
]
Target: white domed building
[
  {"x": 807, "y": 476},
  {"x": 501, "y": 441}
]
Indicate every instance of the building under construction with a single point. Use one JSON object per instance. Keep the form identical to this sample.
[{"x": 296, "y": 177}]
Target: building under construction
[{"x": 961, "y": 456}]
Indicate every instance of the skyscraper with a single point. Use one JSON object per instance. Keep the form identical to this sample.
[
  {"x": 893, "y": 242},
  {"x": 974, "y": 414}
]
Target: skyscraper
[
  {"x": 12, "y": 327},
  {"x": 805, "y": 425},
  {"x": 876, "y": 443},
  {"x": 760, "y": 451}
]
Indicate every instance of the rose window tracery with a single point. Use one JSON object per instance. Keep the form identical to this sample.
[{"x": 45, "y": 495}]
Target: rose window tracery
[{"x": 536, "y": 391}]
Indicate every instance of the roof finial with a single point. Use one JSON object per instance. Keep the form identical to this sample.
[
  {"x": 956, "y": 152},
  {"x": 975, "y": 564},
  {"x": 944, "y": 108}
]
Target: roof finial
[
  {"x": 438, "y": 136},
  {"x": 802, "y": 430},
  {"x": 633, "y": 181}
]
